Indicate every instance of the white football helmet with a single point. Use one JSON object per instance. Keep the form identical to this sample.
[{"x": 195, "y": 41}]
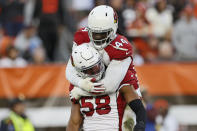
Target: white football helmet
[
  {"x": 87, "y": 61},
  {"x": 102, "y": 26}
]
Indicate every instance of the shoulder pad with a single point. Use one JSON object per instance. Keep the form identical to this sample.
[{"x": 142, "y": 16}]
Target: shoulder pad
[
  {"x": 81, "y": 36},
  {"x": 120, "y": 48},
  {"x": 131, "y": 79}
]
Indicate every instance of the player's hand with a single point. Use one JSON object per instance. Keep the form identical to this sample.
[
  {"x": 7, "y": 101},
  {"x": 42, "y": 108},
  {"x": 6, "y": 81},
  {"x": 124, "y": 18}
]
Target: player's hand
[
  {"x": 90, "y": 86},
  {"x": 139, "y": 126},
  {"x": 75, "y": 94},
  {"x": 97, "y": 90}
]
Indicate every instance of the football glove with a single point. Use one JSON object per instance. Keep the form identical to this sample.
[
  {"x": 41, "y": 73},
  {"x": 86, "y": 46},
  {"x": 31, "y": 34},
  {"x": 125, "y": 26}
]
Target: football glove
[
  {"x": 75, "y": 93},
  {"x": 90, "y": 86}
]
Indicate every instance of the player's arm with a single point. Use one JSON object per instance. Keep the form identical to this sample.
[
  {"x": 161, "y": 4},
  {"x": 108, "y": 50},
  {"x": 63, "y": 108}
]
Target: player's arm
[
  {"x": 75, "y": 120},
  {"x": 120, "y": 56},
  {"x": 135, "y": 103},
  {"x": 71, "y": 74},
  {"x": 129, "y": 93},
  {"x": 76, "y": 93},
  {"x": 115, "y": 73},
  {"x": 130, "y": 89},
  {"x": 110, "y": 83}
]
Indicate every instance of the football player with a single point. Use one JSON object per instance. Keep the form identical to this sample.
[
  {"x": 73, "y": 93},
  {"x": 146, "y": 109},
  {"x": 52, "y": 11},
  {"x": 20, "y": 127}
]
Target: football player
[
  {"x": 101, "y": 111},
  {"x": 115, "y": 49}
]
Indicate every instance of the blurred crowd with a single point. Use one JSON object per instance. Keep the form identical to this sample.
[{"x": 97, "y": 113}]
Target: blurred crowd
[
  {"x": 159, "y": 117},
  {"x": 41, "y": 31}
]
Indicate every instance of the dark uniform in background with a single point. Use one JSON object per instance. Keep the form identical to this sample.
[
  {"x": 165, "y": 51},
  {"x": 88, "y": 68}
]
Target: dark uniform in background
[
  {"x": 12, "y": 16},
  {"x": 50, "y": 14}
]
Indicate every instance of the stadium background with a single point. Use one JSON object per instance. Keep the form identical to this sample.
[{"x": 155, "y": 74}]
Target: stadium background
[{"x": 41, "y": 31}]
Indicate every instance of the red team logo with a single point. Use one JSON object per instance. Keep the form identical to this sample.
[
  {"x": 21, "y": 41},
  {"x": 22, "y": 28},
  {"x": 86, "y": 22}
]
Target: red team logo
[{"x": 115, "y": 17}]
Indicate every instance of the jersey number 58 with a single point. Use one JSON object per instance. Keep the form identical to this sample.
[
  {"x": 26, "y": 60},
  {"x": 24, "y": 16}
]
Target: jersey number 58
[{"x": 102, "y": 105}]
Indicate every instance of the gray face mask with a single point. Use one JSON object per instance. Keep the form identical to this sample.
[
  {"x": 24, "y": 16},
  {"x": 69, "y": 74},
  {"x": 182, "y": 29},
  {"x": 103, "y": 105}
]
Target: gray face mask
[
  {"x": 100, "y": 38},
  {"x": 96, "y": 71}
]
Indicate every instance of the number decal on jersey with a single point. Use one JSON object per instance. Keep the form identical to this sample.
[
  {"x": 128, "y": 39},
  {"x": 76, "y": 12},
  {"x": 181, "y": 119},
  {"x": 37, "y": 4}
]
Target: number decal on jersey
[
  {"x": 103, "y": 108},
  {"x": 102, "y": 105},
  {"x": 118, "y": 44},
  {"x": 88, "y": 105},
  {"x": 124, "y": 41}
]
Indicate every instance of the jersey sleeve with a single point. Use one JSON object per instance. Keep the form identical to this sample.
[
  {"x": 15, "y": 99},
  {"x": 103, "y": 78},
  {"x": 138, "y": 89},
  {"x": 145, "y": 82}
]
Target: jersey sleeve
[
  {"x": 130, "y": 79},
  {"x": 81, "y": 36},
  {"x": 119, "y": 49}
]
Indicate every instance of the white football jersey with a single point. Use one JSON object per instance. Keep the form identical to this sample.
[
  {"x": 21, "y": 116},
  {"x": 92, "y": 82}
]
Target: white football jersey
[{"x": 103, "y": 113}]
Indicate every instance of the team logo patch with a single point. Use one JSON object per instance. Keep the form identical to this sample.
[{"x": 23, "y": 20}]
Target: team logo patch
[{"x": 115, "y": 17}]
